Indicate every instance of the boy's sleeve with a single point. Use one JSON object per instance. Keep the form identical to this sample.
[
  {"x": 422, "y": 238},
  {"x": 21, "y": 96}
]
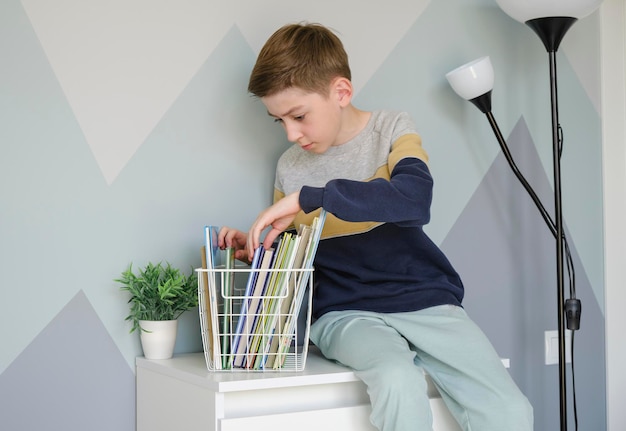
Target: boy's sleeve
[{"x": 400, "y": 194}]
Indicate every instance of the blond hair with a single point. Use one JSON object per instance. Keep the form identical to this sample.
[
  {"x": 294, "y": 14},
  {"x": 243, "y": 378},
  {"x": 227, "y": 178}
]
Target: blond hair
[{"x": 306, "y": 56}]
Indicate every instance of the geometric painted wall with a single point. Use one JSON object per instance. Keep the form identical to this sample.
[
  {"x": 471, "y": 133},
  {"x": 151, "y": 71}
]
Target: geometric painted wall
[
  {"x": 125, "y": 127},
  {"x": 72, "y": 376},
  {"x": 511, "y": 291}
]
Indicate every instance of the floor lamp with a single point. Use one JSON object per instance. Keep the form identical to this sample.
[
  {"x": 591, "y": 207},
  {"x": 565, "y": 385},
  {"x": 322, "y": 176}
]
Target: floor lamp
[{"x": 550, "y": 20}]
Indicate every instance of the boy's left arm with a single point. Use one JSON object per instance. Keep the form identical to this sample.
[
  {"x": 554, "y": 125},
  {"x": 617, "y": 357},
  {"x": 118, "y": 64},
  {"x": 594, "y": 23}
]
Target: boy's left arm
[{"x": 404, "y": 197}]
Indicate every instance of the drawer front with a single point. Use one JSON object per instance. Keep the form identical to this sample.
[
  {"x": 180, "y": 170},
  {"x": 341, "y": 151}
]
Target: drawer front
[{"x": 354, "y": 418}]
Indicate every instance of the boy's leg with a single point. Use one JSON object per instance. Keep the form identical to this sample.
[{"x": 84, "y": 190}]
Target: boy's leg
[
  {"x": 382, "y": 359},
  {"x": 464, "y": 365}
]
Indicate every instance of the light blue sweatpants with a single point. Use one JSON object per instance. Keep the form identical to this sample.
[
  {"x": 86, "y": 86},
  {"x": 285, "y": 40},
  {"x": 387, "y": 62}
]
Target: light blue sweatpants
[{"x": 390, "y": 353}]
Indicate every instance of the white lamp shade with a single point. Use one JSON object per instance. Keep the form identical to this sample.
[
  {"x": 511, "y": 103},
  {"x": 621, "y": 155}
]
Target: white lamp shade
[
  {"x": 472, "y": 79},
  {"x": 525, "y": 10}
]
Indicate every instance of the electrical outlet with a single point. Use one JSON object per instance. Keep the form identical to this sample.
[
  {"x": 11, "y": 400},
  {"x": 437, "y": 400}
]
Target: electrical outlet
[{"x": 552, "y": 347}]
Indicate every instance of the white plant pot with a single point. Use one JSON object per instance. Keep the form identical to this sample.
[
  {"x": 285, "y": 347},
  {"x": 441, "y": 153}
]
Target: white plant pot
[{"x": 158, "y": 338}]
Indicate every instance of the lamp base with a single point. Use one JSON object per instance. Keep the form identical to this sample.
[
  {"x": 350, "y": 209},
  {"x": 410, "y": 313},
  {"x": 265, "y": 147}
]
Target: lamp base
[{"x": 551, "y": 30}]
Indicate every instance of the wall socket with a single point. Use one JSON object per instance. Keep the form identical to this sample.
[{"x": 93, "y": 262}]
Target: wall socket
[{"x": 552, "y": 347}]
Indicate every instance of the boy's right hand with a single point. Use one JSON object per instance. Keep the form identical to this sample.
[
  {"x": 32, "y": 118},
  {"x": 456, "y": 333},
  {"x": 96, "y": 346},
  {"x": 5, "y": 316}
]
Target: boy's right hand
[
  {"x": 229, "y": 237},
  {"x": 279, "y": 217}
]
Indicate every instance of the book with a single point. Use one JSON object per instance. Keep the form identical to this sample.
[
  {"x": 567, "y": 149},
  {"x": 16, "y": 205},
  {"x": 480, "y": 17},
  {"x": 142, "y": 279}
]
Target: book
[
  {"x": 285, "y": 304},
  {"x": 255, "y": 302},
  {"x": 274, "y": 297},
  {"x": 244, "y": 324},
  {"x": 259, "y": 329},
  {"x": 210, "y": 235},
  {"x": 204, "y": 308},
  {"x": 296, "y": 304},
  {"x": 227, "y": 281}
]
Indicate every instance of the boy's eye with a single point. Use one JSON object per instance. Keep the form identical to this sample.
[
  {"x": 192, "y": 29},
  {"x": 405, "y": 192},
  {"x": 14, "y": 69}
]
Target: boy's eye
[{"x": 294, "y": 118}]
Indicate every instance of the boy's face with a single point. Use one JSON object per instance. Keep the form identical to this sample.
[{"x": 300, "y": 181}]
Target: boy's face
[{"x": 309, "y": 119}]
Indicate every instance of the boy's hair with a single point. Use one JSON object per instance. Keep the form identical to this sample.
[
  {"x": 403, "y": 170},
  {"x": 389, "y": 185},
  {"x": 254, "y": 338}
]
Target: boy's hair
[{"x": 307, "y": 56}]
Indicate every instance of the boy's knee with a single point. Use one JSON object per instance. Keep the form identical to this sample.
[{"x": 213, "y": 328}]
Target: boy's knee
[{"x": 398, "y": 378}]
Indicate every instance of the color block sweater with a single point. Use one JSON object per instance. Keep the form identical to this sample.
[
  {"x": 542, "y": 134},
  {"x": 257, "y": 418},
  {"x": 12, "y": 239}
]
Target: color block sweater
[{"x": 374, "y": 254}]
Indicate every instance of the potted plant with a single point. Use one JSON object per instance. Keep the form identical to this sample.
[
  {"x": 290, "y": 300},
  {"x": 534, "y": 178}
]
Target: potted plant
[{"x": 159, "y": 294}]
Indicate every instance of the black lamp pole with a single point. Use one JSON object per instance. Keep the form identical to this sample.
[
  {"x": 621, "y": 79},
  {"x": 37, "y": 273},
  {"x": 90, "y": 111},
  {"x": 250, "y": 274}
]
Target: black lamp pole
[{"x": 551, "y": 32}]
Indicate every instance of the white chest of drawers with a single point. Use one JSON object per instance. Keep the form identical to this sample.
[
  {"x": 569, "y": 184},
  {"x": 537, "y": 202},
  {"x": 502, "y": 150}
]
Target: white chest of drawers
[{"x": 181, "y": 394}]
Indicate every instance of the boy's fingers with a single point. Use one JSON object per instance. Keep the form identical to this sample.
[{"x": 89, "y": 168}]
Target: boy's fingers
[
  {"x": 241, "y": 255},
  {"x": 251, "y": 243},
  {"x": 220, "y": 237},
  {"x": 270, "y": 237}
]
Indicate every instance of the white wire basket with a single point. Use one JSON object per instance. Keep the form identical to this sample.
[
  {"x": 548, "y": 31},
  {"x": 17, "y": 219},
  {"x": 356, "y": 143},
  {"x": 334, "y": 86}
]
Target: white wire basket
[{"x": 243, "y": 331}]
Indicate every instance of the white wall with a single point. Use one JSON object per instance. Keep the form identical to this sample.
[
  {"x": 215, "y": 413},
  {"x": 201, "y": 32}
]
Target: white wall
[{"x": 613, "y": 33}]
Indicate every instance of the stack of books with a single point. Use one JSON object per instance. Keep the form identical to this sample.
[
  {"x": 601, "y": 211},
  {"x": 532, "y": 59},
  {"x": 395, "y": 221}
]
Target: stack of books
[{"x": 249, "y": 316}]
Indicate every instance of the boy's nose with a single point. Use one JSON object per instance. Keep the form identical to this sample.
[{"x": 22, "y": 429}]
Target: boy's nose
[{"x": 293, "y": 132}]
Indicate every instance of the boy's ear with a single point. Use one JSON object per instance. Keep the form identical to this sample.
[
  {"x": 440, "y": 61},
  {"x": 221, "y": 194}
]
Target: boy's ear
[{"x": 341, "y": 89}]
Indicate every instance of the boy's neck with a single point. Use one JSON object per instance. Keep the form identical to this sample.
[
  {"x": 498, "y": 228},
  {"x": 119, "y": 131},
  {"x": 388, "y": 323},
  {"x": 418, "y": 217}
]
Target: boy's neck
[{"x": 353, "y": 122}]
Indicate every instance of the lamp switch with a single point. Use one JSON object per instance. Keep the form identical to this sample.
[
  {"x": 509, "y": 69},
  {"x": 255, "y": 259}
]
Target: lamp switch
[{"x": 552, "y": 347}]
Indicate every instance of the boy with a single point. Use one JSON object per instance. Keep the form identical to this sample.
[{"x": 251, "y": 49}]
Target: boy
[{"x": 387, "y": 302}]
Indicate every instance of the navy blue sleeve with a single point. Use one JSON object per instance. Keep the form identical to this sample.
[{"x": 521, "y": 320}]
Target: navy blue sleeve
[{"x": 404, "y": 199}]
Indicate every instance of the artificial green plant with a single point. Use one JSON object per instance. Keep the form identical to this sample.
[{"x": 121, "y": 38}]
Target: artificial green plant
[{"x": 158, "y": 292}]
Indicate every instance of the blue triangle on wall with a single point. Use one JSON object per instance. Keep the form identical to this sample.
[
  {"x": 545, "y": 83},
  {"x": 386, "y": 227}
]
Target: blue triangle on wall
[
  {"x": 71, "y": 377},
  {"x": 506, "y": 257}
]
